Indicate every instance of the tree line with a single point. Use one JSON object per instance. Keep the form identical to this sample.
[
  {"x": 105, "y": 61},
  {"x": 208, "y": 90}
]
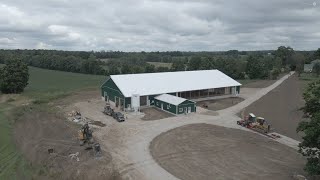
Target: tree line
[{"x": 237, "y": 64}]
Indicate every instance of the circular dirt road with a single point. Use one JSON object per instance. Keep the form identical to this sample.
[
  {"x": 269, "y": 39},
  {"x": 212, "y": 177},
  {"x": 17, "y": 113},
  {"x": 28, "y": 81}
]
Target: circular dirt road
[{"x": 203, "y": 151}]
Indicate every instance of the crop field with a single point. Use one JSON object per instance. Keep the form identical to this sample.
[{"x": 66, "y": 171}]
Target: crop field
[{"x": 49, "y": 84}]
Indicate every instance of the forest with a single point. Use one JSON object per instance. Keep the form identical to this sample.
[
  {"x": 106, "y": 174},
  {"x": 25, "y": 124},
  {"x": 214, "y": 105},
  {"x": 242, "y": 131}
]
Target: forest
[{"x": 237, "y": 64}]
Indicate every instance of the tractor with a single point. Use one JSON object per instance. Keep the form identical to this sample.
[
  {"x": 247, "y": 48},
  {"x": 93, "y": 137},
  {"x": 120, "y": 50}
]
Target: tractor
[{"x": 246, "y": 122}]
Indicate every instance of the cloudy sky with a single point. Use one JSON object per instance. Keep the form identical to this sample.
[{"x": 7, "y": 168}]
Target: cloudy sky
[{"x": 152, "y": 25}]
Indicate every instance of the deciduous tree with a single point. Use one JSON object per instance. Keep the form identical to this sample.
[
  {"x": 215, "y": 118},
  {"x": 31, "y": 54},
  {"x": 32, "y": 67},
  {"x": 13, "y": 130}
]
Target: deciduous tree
[
  {"x": 14, "y": 76},
  {"x": 310, "y": 146}
]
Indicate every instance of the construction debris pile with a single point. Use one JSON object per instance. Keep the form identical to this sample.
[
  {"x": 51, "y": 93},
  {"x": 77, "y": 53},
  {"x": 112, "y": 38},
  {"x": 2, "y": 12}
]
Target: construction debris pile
[{"x": 75, "y": 116}]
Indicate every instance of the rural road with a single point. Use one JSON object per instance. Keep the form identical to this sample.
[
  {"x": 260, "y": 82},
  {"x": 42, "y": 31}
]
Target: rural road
[{"x": 133, "y": 138}]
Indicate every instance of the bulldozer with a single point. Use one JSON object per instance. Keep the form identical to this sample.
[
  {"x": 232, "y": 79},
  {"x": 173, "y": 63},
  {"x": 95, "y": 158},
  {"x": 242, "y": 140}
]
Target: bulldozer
[{"x": 261, "y": 124}]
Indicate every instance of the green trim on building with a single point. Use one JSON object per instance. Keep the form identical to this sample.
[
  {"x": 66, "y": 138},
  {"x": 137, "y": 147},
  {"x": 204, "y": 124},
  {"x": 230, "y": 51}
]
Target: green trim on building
[
  {"x": 110, "y": 90},
  {"x": 238, "y": 89},
  {"x": 179, "y": 109},
  {"x": 186, "y": 106}
]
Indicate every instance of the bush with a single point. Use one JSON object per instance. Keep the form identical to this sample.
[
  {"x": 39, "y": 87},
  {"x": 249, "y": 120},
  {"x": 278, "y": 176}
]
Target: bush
[{"x": 274, "y": 73}]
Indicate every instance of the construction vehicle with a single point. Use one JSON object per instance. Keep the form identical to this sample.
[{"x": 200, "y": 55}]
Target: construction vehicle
[
  {"x": 261, "y": 124},
  {"x": 255, "y": 123},
  {"x": 86, "y": 138},
  {"x": 85, "y": 135},
  {"x": 251, "y": 118},
  {"x": 108, "y": 110}
]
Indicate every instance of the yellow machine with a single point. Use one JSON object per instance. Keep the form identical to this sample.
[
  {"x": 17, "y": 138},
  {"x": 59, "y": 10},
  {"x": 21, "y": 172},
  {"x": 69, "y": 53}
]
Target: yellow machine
[
  {"x": 261, "y": 124},
  {"x": 85, "y": 135}
]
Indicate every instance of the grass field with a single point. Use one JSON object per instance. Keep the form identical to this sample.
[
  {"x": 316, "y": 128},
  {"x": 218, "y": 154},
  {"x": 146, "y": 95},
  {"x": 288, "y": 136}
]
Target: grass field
[
  {"x": 43, "y": 85},
  {"x": 160, "y": 64},
  {"x": 12, "y": 162},
  {"x": 50, "y": 84}
]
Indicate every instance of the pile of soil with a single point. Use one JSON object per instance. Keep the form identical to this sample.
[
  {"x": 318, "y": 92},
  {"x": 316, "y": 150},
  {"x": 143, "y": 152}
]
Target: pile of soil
[
  {"x": 203, "y": 151},
  {"x": 36, "y": 132}
]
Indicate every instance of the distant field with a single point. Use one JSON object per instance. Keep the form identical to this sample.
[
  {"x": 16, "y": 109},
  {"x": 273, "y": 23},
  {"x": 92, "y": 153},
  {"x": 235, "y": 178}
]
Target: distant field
[
  {"x": 45, "y": 83},
  {"x": 160, "y": 64}
]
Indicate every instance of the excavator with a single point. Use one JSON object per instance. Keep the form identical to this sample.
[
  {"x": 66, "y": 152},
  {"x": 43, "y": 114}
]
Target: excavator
[{"x": 85, "y": 138}]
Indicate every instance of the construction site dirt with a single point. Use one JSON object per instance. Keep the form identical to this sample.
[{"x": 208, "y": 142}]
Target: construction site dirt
[
  {"x": 50, "y": 144},
  {"x": 154, "y": 114},
  {"x": 281, "y": 107},
  {"x": 223, "y": 153},
  {"x": 218, "y": 104}
]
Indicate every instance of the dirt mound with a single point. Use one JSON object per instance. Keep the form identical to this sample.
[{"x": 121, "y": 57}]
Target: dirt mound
[
  {"x": 36, "y": 132},
  {"x": 203, "y": 151}
]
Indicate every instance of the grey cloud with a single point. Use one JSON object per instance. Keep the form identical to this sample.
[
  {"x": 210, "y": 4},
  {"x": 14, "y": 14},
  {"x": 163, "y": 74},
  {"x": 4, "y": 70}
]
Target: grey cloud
[{"x": 152, "y": 25}]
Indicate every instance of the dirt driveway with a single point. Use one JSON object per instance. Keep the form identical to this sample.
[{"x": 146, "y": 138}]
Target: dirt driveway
[
  {"x": 203, "y": 151},
  {"x": 281, "y": 107},
  {"x": 130, "y": 140}
]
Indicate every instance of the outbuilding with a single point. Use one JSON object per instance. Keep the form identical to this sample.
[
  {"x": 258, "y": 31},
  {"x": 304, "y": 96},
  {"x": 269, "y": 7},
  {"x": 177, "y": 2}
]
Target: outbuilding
[{"x": 174, "y": 104}]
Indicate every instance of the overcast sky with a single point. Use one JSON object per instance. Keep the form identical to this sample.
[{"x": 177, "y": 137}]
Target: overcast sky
[{"x": 159, "y": 25}]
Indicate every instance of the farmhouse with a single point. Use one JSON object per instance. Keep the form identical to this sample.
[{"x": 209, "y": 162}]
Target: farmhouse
[{"x": 130, "y": 91}]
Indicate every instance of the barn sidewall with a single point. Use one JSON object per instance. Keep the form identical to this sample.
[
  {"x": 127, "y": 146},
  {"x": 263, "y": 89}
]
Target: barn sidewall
[{"x": 166, "y": 106}]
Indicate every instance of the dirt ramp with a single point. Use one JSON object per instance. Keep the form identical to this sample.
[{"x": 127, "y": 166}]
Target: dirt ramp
[
  {"x": 203, "y": 151},
  {"x": 36, "y": 132}
]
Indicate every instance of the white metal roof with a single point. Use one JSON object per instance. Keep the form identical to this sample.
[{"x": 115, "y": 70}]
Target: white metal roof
[
  {"x": 175, "y": 100},
  {"x": 169, "y": 82}
]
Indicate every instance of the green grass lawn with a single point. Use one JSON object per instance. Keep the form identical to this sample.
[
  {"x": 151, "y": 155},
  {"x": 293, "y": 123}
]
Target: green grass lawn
[
  {"x": 12, "y": 162},
  {"x": 45, "y": 83}
]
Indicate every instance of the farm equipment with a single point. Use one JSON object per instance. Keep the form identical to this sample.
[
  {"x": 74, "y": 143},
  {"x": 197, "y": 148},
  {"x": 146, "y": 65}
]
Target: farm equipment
[
  {"x": 261, "y": 124},
  {"x": 108, "y": 110},
  {"x": 255, "y": 123},
  {"x": 251, "y": 118},
  {"x": 85, "y": 137}
]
